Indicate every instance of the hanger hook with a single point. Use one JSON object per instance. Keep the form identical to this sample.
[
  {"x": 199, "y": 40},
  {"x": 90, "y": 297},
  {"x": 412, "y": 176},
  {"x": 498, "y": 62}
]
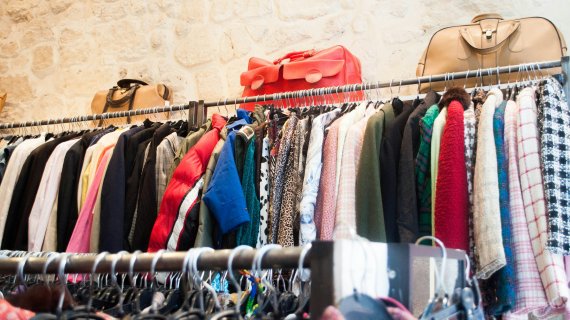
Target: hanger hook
[
  {"x": 196, "y": 257},
  {"x": 440, "y": 275},
  {"x": 62, "y": 280},
  {"x": 98, "y": 260},
  {"x": 467, "y": 269},
  {"x": 233, "y": 253},
  {"x": 51, "y": 257},
  {"x": 498, "y": 76},
  {"x": 257, "y": 268},
  {"x": 20, "y": 272},
  {"x": 114, "y": 281},
  {"x": 155, "y": 259},
  {"x": 304, "y": 275},
  {"x": 257, "y": 260}
]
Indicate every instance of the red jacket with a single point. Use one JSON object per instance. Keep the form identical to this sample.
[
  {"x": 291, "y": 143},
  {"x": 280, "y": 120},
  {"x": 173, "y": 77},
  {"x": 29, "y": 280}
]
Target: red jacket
[{"x": 188, "y": 172}]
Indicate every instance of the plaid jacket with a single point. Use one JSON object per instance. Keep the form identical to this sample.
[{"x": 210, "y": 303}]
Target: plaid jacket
[
  {"x": 554, "y": 125},
  {"x": 550, "y": 266},
  {"x": 423, "y": 177},
  {"x": 530, "y": 293}
]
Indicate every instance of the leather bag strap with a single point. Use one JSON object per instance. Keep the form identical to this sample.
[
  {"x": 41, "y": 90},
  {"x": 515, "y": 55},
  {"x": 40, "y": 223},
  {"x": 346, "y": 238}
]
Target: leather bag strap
[
  {"x": 127, "y": 83},
  {"x": 485, "y": 16},
  {"x": 296, "y": 55},
  {"x": 109, "y": 102}
]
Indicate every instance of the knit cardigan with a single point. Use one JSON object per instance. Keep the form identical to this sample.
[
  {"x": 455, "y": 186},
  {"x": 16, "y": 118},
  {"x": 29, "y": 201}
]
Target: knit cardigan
[
  {"x": 486, "y": 212},
  {"x": 451, "y": 201}
]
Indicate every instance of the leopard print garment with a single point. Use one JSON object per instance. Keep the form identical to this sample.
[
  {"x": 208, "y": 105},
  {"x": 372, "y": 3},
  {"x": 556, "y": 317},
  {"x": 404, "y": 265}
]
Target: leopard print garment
[
  {"x": 278, "y": 178},
  {"x": 286, "y": 232}
]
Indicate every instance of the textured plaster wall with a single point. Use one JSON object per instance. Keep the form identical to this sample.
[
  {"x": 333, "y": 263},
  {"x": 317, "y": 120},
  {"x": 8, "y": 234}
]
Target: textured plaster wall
[{"x": 55, "y": 54}]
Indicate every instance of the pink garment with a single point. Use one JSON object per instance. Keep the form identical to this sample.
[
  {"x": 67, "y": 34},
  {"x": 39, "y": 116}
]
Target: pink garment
[
  {"x": 345, "y": 216},
  {"x": 530, "y": 295},
  {"x": 81, "y": 236},
  {"x": 550, "y": 266},
  {"x": 8, "y": 311},
  {"x": 326, "y": 199}
]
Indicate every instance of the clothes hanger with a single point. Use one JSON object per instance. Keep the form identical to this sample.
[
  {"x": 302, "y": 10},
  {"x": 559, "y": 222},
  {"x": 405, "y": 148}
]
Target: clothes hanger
[
  {"x": 153, "y": 314},
  {"x": 87, "y": 312},
  {"x": 360, "y": 305},
  {"x": 268, "y": 299},
  {"x": 304, "y": 276},
  {"x": 467, "y": 306},
  {"x": 187, "y": 311},
  {"x": 62, "y": 262},
  {"x": 440, "y": 294},
  {"x": 234, "y": 313},
  {"x": 132, "y": 293},
  {"x": 213, "y": 296},
  {"x": 117, "y": 310}
]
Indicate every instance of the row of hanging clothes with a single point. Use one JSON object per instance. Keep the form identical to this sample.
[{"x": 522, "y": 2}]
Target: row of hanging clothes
[{"x": 458, "y": 167}]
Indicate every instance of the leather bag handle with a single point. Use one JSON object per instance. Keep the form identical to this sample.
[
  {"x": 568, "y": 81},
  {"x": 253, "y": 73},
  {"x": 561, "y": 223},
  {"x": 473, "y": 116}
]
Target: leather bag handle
[
  {"x": 485, "y": 16},
  {"x": 467, "y": 37},
  {"x": 109, "y": 102},
  {"x": 296, "y": 55},
  {"x": 126, "y": 83}
]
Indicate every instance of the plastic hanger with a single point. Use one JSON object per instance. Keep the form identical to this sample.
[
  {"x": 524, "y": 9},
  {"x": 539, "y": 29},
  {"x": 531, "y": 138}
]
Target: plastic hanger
[
  {"x": 153, "y": 314},
  {"x": 304, "y": 276},
  {"x": 234, "y": 313},
  {"x": 468, "y": 305},
  {"x": 187, "y": 311},
  {"x": 360, "y": 305},
  {"x": 118, "y": 310},
  {"x": 86, "y": 312}
]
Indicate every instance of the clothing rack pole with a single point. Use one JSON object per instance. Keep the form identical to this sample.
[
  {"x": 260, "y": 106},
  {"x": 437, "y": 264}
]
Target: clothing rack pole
[
  {"x": 168, "y": 261},
  {"x": 303, "y": 93}
]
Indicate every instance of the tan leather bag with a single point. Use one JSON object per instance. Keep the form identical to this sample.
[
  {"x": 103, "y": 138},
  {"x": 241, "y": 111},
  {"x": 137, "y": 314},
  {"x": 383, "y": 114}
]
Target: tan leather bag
[
  {"x": 490, "y": 41},
  {"x": 130, "y": 94},
  {"x": 3, "y": 100}
]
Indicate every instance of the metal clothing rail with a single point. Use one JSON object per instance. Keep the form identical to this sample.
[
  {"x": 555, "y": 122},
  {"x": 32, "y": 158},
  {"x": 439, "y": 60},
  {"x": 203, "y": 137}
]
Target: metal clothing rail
[
  {"x": 527, "y": 67},
  {"x": 167, "y": 262}
]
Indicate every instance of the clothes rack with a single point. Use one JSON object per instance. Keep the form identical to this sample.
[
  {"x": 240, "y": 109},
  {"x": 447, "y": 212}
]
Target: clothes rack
[
  {"x": 324, "y": 259},
  {"x": 197, "y": 109},
  {"x": 167, "y": 262}
]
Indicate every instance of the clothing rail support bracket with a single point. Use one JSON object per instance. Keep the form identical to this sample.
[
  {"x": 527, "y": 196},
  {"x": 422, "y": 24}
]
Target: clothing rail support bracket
[{"x": 566, "y": 73}]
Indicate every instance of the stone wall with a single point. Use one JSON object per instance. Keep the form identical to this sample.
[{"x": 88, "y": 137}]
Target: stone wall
[{"x": 55, "y": 54}]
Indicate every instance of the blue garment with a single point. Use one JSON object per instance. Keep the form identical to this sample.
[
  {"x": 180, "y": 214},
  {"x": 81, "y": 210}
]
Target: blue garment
[
  {"x": 100, "y": 135},
  {"x": 236, "y": 125},
  {"x": 224, "y": 196},
  {"x": 505, "y": 278},
  {"x": 244, "y": 114},
  {"x": 244, "y": 119},
  {"x": 113, "y": 197}
]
